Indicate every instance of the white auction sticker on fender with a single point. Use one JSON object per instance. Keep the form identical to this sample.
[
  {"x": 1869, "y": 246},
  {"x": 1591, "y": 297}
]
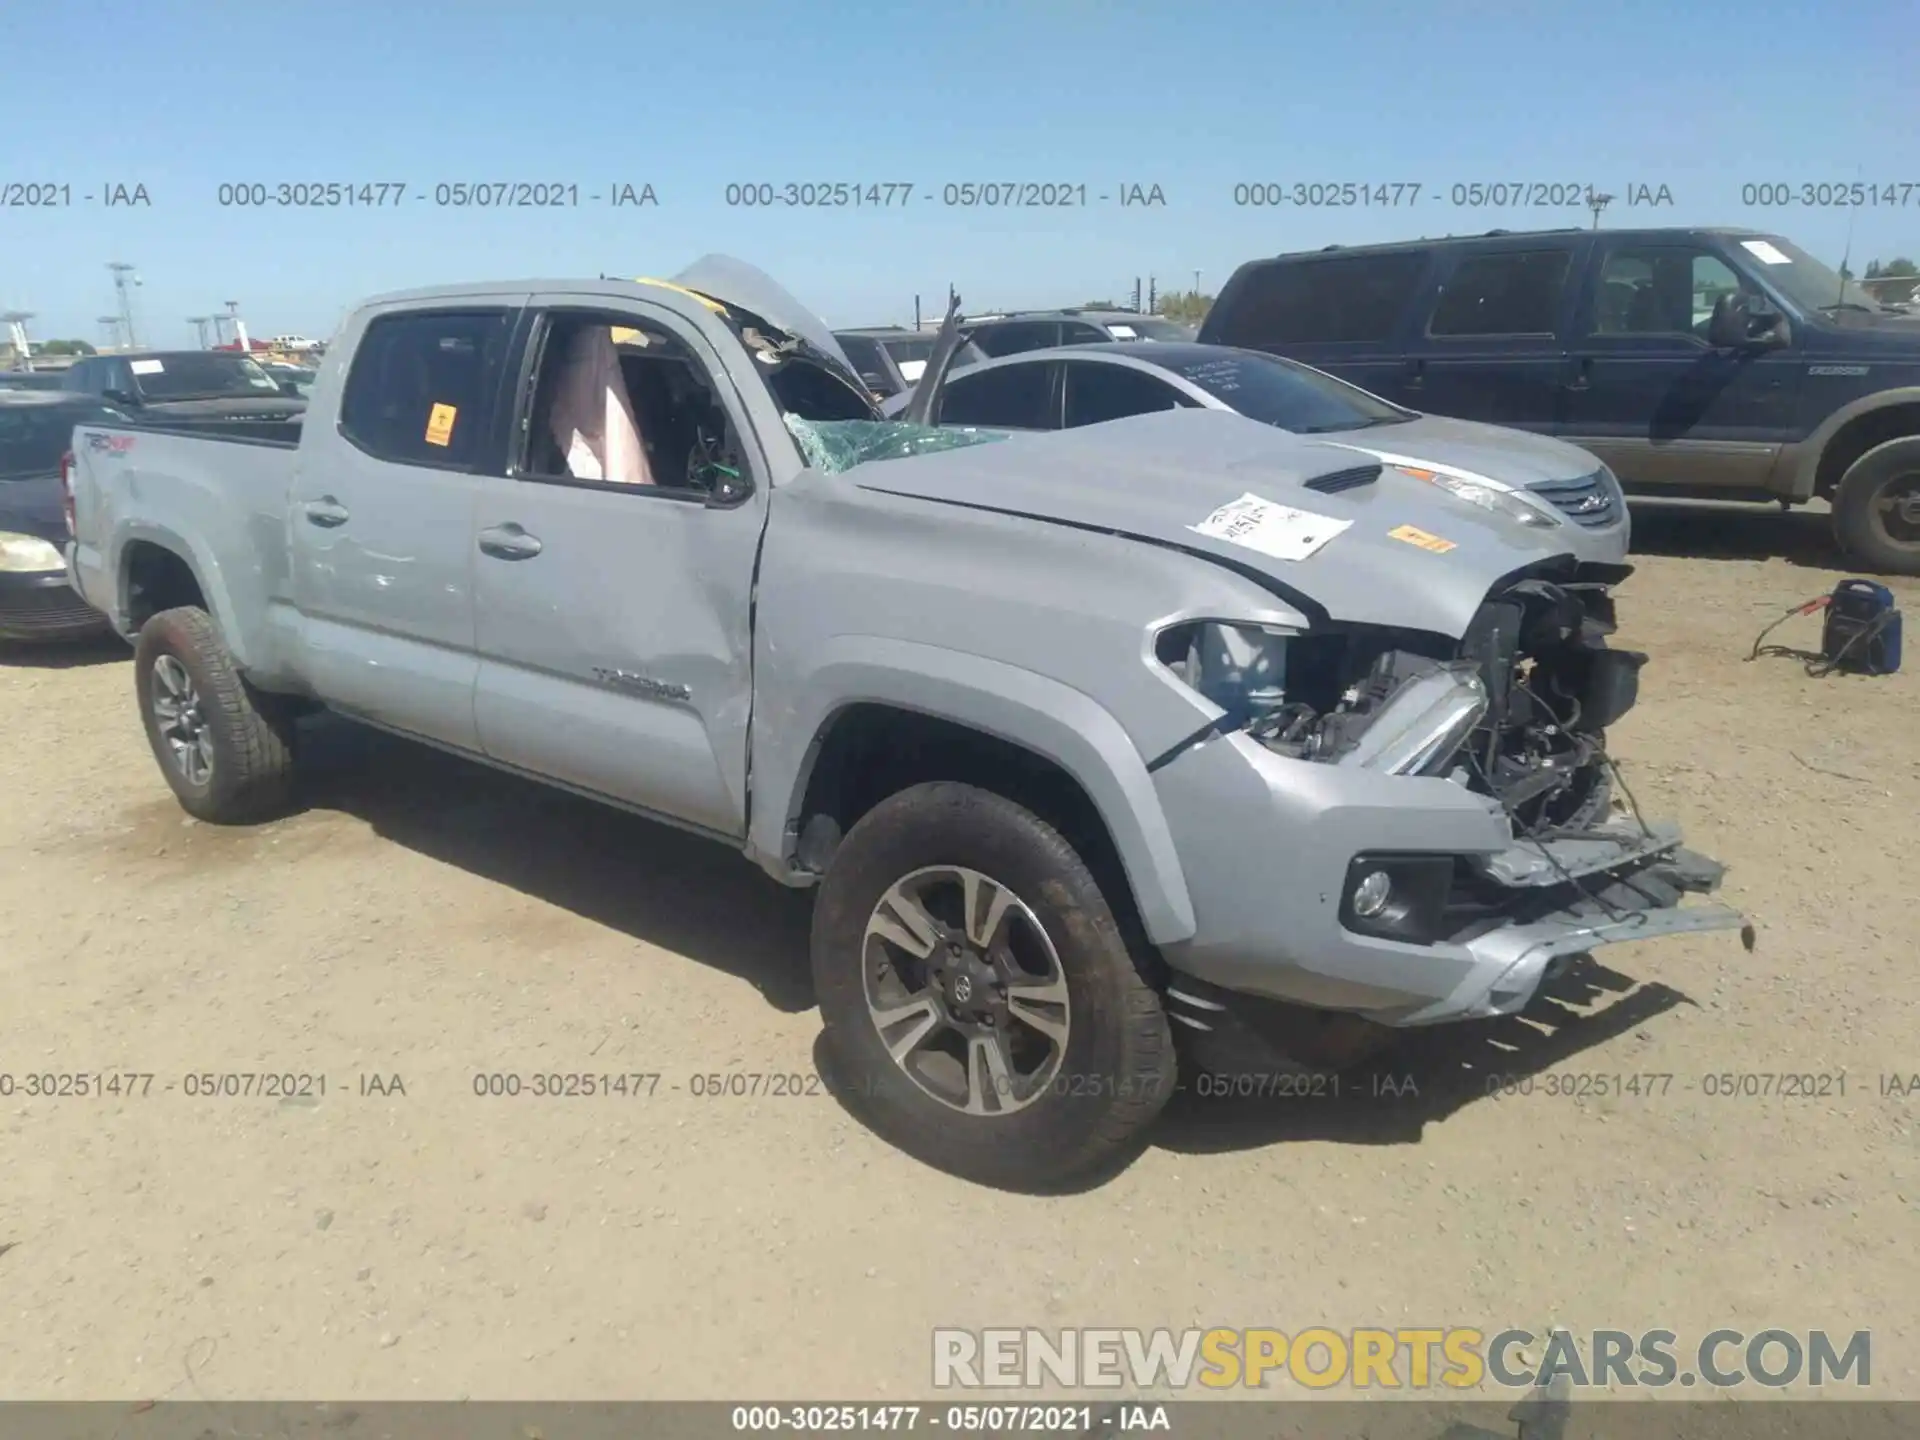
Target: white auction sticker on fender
[{"x": 1277, "y": 530}]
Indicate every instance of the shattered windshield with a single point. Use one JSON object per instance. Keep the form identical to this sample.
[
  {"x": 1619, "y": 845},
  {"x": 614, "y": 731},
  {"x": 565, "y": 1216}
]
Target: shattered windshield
[{"x": 831, "y": 446}]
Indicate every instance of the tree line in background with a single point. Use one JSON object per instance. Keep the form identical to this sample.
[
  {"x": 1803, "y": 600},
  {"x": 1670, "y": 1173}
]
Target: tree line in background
[
  {"x": 1895, "y": 269},
  {"x": 1188, "y": 307}
]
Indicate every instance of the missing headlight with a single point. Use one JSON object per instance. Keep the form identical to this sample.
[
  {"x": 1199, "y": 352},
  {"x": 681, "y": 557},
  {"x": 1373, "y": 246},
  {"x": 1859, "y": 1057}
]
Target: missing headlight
[{"x": 1241, "y": 668}]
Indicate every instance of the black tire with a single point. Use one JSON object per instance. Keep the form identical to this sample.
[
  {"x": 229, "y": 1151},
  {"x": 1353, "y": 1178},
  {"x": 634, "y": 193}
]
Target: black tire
[
  {"x": 250, "y": 737},
  {"x": 1873, "y": 533},
  {"x": 1116, "y": 1070}
]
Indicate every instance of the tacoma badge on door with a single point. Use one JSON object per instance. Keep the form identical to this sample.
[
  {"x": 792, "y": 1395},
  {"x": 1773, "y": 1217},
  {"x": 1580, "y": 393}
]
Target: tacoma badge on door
[{"x": 640, "y": 684}]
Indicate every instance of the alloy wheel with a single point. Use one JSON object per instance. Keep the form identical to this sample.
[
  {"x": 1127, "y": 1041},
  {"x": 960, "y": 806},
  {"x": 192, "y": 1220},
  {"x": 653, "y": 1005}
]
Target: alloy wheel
[
  {"x": 966, "y": 990},
  {"x": 181, "y": 720}
]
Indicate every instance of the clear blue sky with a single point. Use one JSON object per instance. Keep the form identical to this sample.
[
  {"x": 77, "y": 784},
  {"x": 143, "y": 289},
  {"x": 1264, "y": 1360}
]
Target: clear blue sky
[{"x": 1196, "y": 96}]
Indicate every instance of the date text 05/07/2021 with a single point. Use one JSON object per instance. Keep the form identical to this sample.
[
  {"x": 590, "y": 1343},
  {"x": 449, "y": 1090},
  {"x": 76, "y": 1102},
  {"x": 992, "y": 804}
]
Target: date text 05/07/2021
[
  {"x": 297, "y": 1085},
  {"x": 1002, "y": 1419}
]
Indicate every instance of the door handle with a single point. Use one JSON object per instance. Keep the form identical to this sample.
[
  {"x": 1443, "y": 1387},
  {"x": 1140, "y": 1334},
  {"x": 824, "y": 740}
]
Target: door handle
[
  {"x": 326, "y": 512},
  {"x": 509, "y": 542},
  {"x": 1416, "y": 374}
]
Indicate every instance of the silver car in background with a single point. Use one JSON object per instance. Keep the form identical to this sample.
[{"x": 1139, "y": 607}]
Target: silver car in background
[{"x": 1541, "y": 482}]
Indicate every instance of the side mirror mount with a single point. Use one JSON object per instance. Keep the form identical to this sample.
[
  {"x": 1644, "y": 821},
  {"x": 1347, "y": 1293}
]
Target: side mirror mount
[
  {"x": 1744, "y": 321},
  {"x": 121, "y": 397}
]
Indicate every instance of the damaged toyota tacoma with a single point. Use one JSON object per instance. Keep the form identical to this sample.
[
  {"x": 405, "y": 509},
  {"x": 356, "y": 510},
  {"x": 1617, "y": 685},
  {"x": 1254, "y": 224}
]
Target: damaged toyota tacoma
[{"x": 1173, "y": 740}]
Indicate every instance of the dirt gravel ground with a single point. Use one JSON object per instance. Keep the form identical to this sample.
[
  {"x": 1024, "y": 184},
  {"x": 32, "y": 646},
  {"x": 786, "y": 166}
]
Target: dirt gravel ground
[{"x": 430, "y": 920}]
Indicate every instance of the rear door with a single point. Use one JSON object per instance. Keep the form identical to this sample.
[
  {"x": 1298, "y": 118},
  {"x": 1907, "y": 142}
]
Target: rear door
[
  {"x": 1350, "y": 315},
  {"x": 1492, "y": 345},
  {"x": 613, "y": 618},
  {"x": 1648, "y": 394},
  {"x": 1099, "y": 390},
  {"x": 1024, "y": 395},
  {"x": 381, "y": 518}
]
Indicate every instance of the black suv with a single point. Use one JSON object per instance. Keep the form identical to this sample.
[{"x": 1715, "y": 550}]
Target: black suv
[
  {"x": 1716, "y": 364},
  {"x": 170, "y": 386}
]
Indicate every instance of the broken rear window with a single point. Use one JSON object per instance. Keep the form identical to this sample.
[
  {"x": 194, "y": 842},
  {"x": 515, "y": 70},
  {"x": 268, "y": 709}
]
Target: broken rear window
[{"x": 831, "y": 446}]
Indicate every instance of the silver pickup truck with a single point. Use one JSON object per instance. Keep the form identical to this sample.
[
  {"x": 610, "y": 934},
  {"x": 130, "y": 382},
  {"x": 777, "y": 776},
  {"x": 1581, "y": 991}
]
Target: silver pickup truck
[{"x": 1173, "y": 728}]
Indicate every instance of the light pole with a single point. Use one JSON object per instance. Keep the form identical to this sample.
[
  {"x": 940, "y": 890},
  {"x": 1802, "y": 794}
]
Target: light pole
[
  {"x": 1597, "y": 203},
  {"x": 239, "y": 328},
  {"x": 111, "y": 325},
  {"x": 122, "y": 273},
  {"x": 1196, "y": 284},
  {"x": 16, "y": 321}
]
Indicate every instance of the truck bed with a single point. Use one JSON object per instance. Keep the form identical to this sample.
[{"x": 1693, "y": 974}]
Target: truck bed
[
  {"x": 214, "y": 490},
  {"x": 265, "y": 432}
]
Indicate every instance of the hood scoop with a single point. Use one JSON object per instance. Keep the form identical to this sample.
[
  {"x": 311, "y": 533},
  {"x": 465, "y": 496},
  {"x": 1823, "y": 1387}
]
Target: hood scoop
[{"x": 1350, "y": 479}]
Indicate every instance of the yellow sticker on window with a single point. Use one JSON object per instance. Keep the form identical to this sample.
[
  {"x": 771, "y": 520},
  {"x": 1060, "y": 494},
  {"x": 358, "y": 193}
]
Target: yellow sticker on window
[
  {"x": 440, "y": 424},
  {"x": 1421, "y": 538}
]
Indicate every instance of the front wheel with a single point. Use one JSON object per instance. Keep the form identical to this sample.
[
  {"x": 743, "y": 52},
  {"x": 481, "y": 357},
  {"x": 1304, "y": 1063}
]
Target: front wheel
[
  {"x": 981, "y": 1004},
  {"x": 226, "y": 749},
  {"x": 1876, "y": 511}
]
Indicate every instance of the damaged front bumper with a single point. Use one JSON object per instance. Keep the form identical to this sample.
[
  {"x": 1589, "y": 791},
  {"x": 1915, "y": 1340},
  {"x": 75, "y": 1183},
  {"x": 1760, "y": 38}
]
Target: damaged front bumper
[
  {"x": 1269, "y": 845},
  {"x": 1549, "y": 899}
]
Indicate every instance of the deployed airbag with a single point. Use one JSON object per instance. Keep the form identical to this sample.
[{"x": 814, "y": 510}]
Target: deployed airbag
[{"x": 593, "y": 417}]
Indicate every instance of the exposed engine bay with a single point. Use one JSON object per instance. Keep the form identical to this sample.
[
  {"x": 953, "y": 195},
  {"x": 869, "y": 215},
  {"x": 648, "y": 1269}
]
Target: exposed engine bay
[{"x": 1516, "y": 709}]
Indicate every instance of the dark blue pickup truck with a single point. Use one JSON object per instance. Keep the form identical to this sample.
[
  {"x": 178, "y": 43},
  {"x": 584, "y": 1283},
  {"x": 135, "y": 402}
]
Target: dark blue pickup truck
[{"x": 1708, "y": 364}]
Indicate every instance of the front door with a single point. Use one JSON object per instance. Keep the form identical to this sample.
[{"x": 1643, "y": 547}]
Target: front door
[
  {"x": 1648, "y": 394},
  {"x": 381, "y": 522},
  {"x": 614, "y": 565}
]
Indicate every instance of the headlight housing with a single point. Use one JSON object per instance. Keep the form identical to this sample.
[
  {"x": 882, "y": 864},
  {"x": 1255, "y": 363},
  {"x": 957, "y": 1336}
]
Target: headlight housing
[
  {"x": 28, "y": 554},
  {"x": 1425, "y": 722},
  {"x": 1514, "y": 504},
  {"x": 1510, "y": 503}
]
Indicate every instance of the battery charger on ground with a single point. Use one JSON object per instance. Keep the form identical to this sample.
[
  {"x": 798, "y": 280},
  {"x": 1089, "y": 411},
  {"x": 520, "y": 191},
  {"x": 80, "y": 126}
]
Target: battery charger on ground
[{"x": 1859, "y": 636}]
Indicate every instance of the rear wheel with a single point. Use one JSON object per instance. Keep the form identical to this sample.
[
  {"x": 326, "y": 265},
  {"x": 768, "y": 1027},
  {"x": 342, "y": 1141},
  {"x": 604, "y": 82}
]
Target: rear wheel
[
  {"x": 980, "y": 1002},
  {"x": 1876, "y": 511},
  {"x": 225, "y": 748}
]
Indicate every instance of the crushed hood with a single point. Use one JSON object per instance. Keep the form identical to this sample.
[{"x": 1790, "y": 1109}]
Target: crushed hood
[
  {"x": 734, "y": 282},
  {"x": 1155, "y": 477}
]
